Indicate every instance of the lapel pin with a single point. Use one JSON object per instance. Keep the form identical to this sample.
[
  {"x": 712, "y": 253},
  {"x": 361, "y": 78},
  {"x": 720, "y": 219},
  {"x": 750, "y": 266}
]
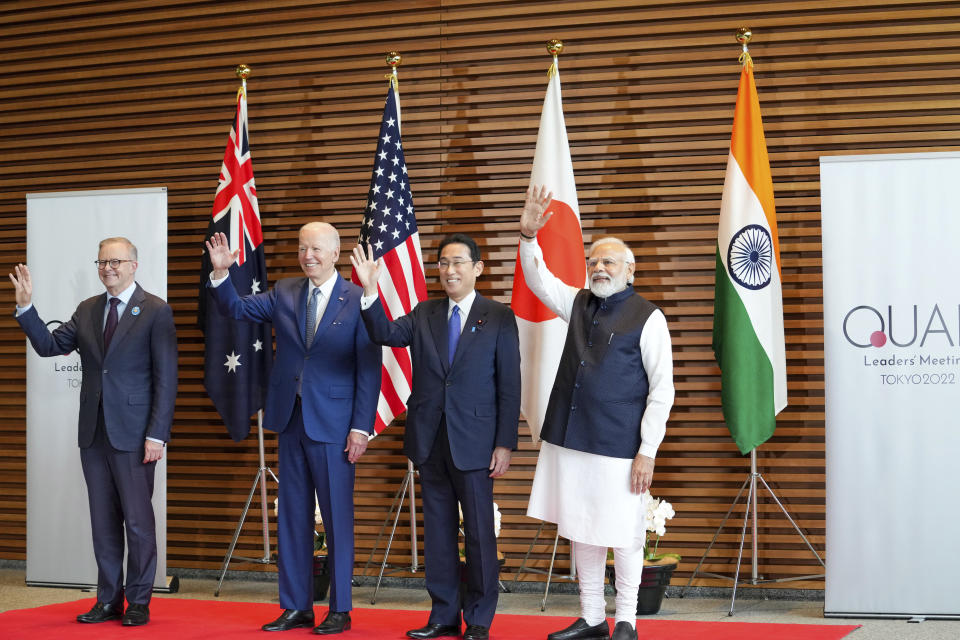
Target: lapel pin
[{"x": 135, "y": 311}]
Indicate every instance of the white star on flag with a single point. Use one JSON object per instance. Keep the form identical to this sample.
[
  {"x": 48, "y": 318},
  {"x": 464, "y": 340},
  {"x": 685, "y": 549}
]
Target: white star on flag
[
  {"x": 258, "y": 345},
  {"x": 233, "y": 361}
]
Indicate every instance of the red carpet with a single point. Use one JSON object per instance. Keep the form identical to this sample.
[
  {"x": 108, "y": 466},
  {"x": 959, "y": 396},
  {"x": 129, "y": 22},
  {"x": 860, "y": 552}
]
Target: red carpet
[{"x": 179, "y": 619}]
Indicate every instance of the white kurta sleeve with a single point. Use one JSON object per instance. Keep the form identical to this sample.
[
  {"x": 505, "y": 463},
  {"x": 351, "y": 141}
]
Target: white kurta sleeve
[
  {"x": 553, "y": 292},
  {"x": 657, "y": 355}
]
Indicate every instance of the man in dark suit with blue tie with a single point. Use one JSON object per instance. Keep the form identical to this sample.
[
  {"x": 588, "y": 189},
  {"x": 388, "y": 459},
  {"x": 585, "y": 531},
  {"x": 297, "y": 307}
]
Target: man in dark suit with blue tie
[
  {"x": 128, "y": 349},
  {"x": 461, "y": 426},
  {"x": 322, "y": 399}
]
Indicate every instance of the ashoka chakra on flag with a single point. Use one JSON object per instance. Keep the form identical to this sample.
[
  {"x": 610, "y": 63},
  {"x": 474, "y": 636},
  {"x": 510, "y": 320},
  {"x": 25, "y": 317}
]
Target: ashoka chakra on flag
[{"x": 750, "y": 257}]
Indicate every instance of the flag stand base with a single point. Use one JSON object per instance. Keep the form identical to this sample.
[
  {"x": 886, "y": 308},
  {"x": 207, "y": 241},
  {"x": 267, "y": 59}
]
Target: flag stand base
[
  {"x": 406, "y": 491},
  {"x": 549, "y": 571},
  {"x": 751, "y": 505},
  {"x": 260, "y": 479}
]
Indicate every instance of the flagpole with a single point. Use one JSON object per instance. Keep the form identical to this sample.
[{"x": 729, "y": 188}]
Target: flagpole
[
  {"x": 393, "y": 61},
  {"x": 243, "y": 72},
  {"x": 554, "y": 49},
  {"x": 743, "y": 36},
  {"x": 407, "y": 489}
]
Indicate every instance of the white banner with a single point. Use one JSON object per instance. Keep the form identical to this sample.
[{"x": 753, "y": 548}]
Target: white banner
[
  {"x": 63, "y": 231},
  {"x": 892, "y": 383}
]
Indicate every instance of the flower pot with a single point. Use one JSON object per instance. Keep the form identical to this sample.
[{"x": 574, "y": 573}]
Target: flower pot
[
  {"x": 321, "y": 578},
  {"x": 653, "y": 583}
]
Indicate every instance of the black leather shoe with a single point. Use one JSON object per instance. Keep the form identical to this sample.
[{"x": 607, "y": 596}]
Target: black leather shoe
[
  {"x": 434, "y": 631},
  {"x": 476, "y": 632},
  {"x": 136, "y": 615},
  {"x": 580, "y": 630},
  {"x": 335, "y": 622},
  {"x": 101, "y": 612},
  {"x": 290, "y": 619},
  {"x": 623, "y": 631}
]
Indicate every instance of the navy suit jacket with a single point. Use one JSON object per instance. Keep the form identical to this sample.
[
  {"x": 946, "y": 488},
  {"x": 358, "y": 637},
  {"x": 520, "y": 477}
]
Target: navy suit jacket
[
  {"x": 478, "y": 395},
  {"x": 136, "y": 378},
  {"x": 340, "y": 373}
]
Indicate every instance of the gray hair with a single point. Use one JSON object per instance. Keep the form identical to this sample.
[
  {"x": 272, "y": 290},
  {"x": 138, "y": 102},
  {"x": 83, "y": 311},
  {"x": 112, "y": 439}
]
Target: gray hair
[
  {"x": 328, "y": 230},
  {"x": 131, "y": 248},
  {"x": 627, "y": 253}
]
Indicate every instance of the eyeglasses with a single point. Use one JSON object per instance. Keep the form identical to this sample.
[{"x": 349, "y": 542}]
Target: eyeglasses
[
  {"x": 606, "y": 262},
  {"x": 102, "y": 264},
  {"x": 456, "y": 264}
]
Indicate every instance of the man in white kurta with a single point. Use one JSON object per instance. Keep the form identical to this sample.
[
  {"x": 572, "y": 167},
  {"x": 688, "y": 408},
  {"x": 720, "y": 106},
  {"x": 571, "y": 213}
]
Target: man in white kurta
[{"x": 606, "y": 418}]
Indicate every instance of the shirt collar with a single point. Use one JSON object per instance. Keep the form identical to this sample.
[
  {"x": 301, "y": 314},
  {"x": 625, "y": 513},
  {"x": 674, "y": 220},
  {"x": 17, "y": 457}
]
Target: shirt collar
[
  {"x": 465, "y": 305},
  {"x": 326, "y": 287},
  {"x": 125, "y": 295}
]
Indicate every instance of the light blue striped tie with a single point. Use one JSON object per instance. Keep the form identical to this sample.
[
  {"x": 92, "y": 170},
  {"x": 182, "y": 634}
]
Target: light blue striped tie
[{"x": 312, "y": 316}]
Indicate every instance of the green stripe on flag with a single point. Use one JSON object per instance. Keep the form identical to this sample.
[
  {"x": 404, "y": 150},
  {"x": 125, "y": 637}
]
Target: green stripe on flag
[{"x": 746, "y": 372}]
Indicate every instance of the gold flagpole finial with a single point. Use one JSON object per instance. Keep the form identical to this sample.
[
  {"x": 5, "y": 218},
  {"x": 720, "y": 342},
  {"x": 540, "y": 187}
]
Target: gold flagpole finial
[
  {"x": 243, "y": 72},
  {"x": 743, "y": 37},
  {"x": 554, "y": 48},
  {"x": 393, "y": 61}
]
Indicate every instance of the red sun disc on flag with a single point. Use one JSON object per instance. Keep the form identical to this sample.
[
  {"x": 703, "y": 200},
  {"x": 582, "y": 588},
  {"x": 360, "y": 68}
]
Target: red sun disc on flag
[{"x": 562, "y": 245}]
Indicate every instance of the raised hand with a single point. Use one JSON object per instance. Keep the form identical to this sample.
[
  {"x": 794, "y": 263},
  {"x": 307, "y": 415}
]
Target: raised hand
[
  {"x": 368, "y": 269},
  {"x": 22, "y": 285},
  {"x": 535, "y": 214},
  {"x": 218, "y": 248}
]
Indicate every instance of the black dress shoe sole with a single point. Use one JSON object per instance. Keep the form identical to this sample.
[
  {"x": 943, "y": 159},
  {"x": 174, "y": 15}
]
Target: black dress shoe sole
[
  {"x": 135, "y": 623},
  {"x": 288, "y": 627},
  {"x": 320, "y": 631},
  {"x": 451, "y": 633},
  {"x": 83, "y": 620}
]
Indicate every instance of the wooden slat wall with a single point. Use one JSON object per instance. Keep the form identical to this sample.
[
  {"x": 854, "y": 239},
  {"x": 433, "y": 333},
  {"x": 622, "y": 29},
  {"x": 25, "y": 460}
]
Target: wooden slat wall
[{"x": 124, "y": 93}]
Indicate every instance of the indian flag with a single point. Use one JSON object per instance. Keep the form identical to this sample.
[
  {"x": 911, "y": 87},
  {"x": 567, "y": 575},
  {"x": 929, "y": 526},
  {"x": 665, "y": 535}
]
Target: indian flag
[{"x": 748, "y": 302}]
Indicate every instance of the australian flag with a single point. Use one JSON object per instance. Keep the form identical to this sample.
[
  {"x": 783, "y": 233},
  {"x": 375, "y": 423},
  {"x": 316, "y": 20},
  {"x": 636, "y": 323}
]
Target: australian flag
[{"x": 238, "y": 354}]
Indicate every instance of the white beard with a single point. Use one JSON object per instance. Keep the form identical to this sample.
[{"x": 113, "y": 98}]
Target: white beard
[{"x": 606, "y": 288}]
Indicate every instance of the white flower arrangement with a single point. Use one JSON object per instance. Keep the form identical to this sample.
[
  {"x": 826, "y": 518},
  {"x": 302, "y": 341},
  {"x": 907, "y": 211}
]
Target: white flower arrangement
[
  {"x": 496, "y": 519},
  {"x": 658, "y": 512}
]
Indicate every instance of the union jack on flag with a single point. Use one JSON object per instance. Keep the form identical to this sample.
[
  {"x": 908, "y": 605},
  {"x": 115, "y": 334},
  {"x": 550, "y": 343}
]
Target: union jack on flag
[
  {"x": 390, "y": 227},
  {"x": 238, "y": 354}
]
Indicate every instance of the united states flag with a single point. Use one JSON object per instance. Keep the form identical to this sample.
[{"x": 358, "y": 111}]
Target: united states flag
[
  {"x": 238, "y": 354},
  {"x": 390, "y": 227}
]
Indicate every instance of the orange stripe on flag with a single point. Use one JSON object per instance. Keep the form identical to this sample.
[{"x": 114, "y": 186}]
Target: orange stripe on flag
[{"x": 749, "y": 147}]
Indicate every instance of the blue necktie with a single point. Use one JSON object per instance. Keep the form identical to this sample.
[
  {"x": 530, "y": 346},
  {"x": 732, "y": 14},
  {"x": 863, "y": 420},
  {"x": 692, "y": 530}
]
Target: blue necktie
[
  {"x": 453, "y": 332},
  {"x": 312, "y": 316}
]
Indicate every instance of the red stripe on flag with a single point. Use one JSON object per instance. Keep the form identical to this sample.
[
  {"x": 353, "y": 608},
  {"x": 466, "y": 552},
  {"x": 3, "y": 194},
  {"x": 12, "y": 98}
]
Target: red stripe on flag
[{"x": 417, "y": 275}]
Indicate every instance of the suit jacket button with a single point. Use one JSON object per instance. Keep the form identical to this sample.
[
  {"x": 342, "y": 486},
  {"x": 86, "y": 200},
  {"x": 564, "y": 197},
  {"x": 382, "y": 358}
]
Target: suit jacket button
[
  {"x": 448, "y": 383},
  {"x": 573, "y": 408},
  {"x": 105, "y": 371}
]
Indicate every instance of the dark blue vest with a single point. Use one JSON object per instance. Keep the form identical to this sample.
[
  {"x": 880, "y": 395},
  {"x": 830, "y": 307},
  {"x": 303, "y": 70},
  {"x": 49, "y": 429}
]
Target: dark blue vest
[{"x": 600, "y": 392}]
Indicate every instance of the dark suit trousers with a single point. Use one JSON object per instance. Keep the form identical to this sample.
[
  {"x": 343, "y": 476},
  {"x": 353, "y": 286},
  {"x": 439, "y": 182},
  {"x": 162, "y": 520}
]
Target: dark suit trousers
[
  {"x": 309, "y": 468},
  {"x": 443, "y": 486},
  {"x": 119, "y": 489}
]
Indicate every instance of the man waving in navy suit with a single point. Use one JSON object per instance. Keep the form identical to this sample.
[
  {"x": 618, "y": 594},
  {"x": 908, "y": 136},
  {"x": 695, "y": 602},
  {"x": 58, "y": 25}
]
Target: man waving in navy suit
[
  {"x": 322, "y": 400},
  {"x": 128, "y": 349},
  {"x": 461, "y": 426}
]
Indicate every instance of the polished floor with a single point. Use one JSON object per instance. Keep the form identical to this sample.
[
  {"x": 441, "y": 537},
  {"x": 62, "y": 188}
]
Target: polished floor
[{"x": 14, "y": 594}]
